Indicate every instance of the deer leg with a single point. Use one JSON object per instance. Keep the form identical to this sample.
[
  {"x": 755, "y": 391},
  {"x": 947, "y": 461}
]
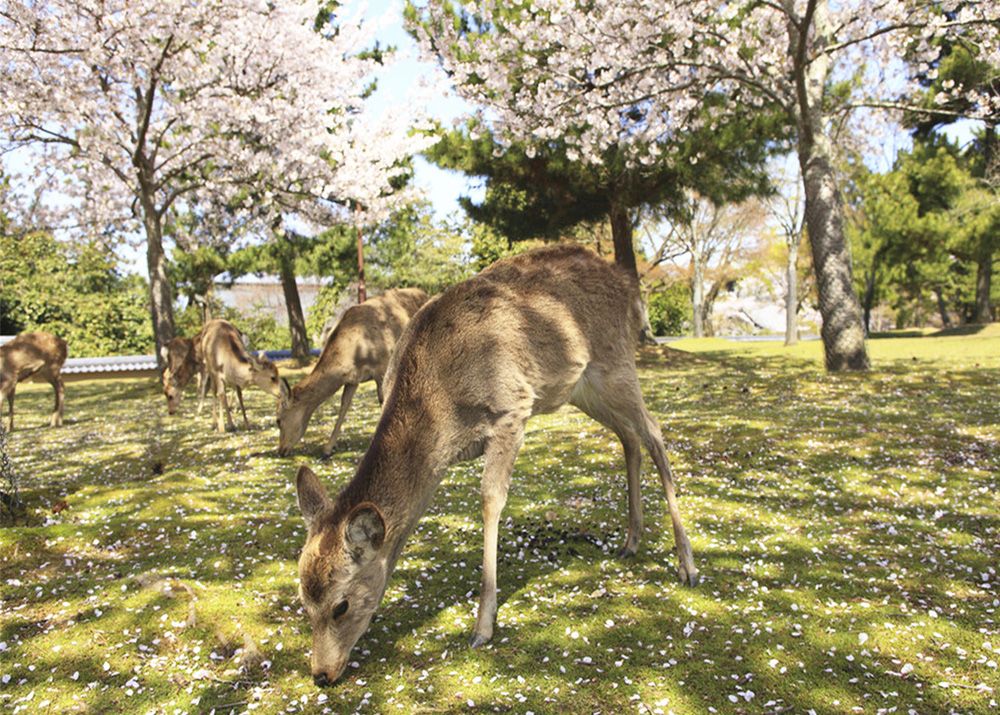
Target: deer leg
[
  {"x": 10, "y": 409},
  {"x": 598, "y": 405},
  {"x": 633, "y": 463},
  {"x": 239, "y": 396},
  {"x": 653, "y": 438},
  {"x": 345, "y": 402},
  {"x": 220, "y": 396},
  {"x": 500, "y": 453},
  {"x": 378, "y": 391},
  {"x": 202, "y": 390},
  {"x": 57, "y": 414}
]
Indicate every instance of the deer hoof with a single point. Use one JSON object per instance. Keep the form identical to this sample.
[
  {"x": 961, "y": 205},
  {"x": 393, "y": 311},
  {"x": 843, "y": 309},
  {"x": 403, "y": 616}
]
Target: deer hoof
[
  {"x": 688, "y": 577},
  {"x": 478, "y": 640}
]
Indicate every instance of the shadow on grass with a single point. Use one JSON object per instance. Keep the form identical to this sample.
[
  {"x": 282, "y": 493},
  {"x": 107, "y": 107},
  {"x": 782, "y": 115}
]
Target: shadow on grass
[{"x": 820, "y": 507}]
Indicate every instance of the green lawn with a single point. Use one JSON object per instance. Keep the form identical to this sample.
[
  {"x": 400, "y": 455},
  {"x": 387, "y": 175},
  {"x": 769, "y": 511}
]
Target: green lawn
[{"x": 847, "y": 529}]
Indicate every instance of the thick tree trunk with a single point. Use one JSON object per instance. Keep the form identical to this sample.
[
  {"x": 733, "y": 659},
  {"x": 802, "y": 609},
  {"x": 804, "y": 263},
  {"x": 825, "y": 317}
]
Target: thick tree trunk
[
  {"x": 161, "y": 302},
  {"x": 621, "y": 236},
  {"x": 843, "y": 330},
  {"x": 296, "y": 319},
  {"x": 869, "y": 301},
  {"x": 792, "y": 294},
  {"x": 697, "y": 296}
]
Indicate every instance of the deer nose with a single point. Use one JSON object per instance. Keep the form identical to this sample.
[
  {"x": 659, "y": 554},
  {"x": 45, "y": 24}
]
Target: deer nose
[{"x": 322, "y": 680}]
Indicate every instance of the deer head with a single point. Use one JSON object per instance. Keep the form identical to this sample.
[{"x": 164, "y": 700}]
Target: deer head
[
  {"x": 292, "y": 418},
  {"x": 175, "y": 374},
  {"x": 342, "y": 574},
  {"x": 264, "y": 374}
]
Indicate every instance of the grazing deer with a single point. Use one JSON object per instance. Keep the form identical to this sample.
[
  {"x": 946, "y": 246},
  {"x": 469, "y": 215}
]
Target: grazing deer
[
  {"x": 32, "y": 354},
  {"x": 525, "y": 336},
  {"x": 356, "y": 351},
  {"x": 228, "y": 362},
  {"x": 183, "y": 360}
]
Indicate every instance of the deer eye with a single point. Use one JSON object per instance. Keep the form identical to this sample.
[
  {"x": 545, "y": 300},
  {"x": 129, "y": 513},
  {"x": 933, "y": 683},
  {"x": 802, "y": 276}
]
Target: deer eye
[{"x": 340, "y": 610}]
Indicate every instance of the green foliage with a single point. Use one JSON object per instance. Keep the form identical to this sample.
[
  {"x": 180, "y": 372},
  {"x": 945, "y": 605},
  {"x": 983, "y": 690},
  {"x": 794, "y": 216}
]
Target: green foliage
[
  {"x": 669, "y": 309},
  {"x": 414, "y": 249},
  {"x": 919, "y": 230},
  {"x": 76, "y": 292},
  {"x": 258, "y": 323}
]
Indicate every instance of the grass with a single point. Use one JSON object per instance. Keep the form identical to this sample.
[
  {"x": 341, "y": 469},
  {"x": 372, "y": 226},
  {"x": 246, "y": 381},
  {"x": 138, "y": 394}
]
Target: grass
[{"x": 847, "y": 528}]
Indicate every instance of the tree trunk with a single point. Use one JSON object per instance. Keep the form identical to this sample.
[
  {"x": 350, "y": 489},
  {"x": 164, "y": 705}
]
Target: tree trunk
[
  {"x": 942, "y": 308},
  {"x": 792, "y": 294},
  {"x": 161, "y": 302},
  {"x": 621, "y": 236},
  {"x": 296, "y": 320},
  {"x": 361, "y": 269},
  {"x": 843, "y": 330},
  {"x": 984, "y": 279},
  {"x": 697, "y": 296},
  {"x": 984, "y": 261},
  {"x": 871, "y": 281}
]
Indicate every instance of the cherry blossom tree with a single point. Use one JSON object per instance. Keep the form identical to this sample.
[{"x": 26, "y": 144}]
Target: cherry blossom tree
[
  {"x": 634, "y": 73},
  {"x": 145, "y": 105}
]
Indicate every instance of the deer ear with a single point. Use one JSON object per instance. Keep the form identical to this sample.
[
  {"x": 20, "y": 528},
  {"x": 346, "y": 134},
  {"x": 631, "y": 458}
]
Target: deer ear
[
  {"x": 365, "y": 531},
  {"x": 286, "y": 389},
  {"x": 312, "y": 494}
]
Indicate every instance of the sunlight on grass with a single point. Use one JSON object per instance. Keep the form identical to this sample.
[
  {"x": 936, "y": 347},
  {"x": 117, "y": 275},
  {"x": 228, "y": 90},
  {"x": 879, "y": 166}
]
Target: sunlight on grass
[{"x": 846, "y": 528}]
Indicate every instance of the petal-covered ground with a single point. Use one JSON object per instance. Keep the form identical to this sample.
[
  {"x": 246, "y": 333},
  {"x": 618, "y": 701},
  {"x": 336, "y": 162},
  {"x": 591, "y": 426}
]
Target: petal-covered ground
[{"x": 847, "y": 528}]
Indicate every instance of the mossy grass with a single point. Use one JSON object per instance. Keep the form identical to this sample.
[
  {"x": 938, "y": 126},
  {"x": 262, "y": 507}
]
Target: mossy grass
[{"x": 846, "y": 527}]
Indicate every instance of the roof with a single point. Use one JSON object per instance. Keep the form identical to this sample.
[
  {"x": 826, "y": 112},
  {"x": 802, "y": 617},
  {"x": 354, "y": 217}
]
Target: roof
[{"x": 139, "y": 363}]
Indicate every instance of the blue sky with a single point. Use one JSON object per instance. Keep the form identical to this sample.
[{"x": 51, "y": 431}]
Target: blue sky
[{"x": 443, "y": 188}]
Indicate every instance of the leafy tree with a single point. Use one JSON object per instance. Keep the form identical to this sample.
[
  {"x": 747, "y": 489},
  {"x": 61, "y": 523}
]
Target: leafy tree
[
  {"x": 150, "y": 105},
  {"x": 670, "y": 308},
  {"x": 633, "y": 74},
  {"x": 73, "y": 290}
]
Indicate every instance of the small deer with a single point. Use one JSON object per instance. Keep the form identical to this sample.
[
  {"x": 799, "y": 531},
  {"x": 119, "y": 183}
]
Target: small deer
[
  {"x": 356, "y": 351},
  {"x": 32, "y": 354},
  {"x": 183, "y": 361},
  {"x": 228, "y": 362},
  {"x": 525, "y": 336}
]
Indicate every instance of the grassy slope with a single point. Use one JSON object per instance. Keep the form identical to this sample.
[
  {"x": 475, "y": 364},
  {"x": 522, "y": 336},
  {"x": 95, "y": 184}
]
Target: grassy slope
[{"x": 847, "y": 528}]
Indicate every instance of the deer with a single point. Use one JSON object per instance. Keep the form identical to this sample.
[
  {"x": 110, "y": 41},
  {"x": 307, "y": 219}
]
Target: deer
[
  {"x": 183, "y": 360},
  {"x": 525, "y": 336},
  {"x": 37, "y": 354},
  {"x": 356, "y": 351},
  {"x": 227, "y": 361}
]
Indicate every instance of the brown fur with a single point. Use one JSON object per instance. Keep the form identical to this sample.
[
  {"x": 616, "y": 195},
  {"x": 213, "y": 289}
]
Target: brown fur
[
  {"x": 527, "y": 335},
  {"x": 356, "y": 351},
  {"x": 37, "y": 354},
  {"x": 227, "y": 362},
  {"x": 183, "y": 361}
]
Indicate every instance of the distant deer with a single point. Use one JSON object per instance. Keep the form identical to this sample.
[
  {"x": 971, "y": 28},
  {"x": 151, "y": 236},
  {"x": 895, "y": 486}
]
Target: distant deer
[
  {"x": 525, "y": 336},
  {"x": 183, "y": 360},
  {"x": 228, "y": 362},
  {"x": 356, "y": 351},
  {"x": 32, "y": 354}
]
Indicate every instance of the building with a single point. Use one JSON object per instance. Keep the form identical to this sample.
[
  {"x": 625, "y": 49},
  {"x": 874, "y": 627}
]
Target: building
[{"x": 258, "y": 293}]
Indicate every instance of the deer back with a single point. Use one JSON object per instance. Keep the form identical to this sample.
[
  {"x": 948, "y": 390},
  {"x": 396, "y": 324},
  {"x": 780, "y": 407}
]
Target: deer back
[{"x": 30, "y": 352}]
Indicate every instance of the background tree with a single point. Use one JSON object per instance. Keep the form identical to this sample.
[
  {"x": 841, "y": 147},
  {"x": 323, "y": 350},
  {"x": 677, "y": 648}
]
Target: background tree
[
  {"x": 960, "y": 83},
  {"x": 148, "y": 104},
  {"x": 713, "y": 236},
  {"x": 632, "y": 74}
]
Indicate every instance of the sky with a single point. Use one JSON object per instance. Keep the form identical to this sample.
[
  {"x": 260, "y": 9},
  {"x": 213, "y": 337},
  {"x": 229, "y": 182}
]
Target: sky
[{"x": 443, "y": 188}]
